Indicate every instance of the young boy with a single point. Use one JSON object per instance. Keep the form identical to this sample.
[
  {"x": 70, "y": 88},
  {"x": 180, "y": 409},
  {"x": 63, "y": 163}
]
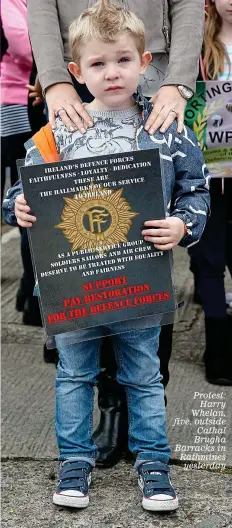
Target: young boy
[{"x": 108, "y": 50}]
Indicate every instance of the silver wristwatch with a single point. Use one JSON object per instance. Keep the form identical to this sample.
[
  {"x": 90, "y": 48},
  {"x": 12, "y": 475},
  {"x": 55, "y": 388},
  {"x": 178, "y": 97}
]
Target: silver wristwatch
[{"x": 185, "y": 92}]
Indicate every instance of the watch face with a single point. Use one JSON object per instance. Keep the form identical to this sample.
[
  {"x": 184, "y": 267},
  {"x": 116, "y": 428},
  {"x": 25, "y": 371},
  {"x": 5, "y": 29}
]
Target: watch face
[{"x": 185, "y": 92}]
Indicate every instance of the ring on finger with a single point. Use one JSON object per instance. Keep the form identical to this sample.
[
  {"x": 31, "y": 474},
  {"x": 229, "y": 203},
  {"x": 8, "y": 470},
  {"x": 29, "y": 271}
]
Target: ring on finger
[
  {"x": 172, "y": 110},
  {"x": 57, "y": 114}
]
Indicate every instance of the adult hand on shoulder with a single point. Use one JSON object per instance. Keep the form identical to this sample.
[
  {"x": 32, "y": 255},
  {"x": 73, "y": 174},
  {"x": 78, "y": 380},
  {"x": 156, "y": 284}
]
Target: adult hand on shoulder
[
  {"x": 62, "y": 98},
  {"x": 164, "y": 234},
  {"x": 168, "y": 104}
]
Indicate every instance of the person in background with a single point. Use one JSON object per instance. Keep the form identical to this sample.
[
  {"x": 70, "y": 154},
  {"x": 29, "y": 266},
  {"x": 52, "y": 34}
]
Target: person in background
[
  {"x": 16, "y": 67},
  {"x": 210, "y": 257},
  {"x": 170, "y": 30},
  {"x": 16, "y": 128}
]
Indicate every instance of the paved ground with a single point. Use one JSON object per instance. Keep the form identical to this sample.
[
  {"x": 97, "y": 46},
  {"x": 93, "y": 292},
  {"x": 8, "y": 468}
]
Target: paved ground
[{"x": 29, "y": 453}]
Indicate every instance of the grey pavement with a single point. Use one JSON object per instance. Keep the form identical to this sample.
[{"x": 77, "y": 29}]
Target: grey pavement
[{"x": 29, "y": 454}]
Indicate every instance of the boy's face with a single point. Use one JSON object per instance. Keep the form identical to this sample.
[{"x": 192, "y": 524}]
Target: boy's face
[{"x": 111, "y": 71}]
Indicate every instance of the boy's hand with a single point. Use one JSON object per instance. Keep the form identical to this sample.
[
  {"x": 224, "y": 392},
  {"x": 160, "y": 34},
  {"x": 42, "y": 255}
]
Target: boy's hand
[
  {"x": 166, "y": 233},
  {"x": 22, "y": 210}
]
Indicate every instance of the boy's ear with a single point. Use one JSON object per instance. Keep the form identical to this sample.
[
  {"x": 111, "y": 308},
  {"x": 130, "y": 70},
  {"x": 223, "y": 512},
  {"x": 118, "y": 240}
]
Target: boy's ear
[
  {"x": 145, "y": 60},
  {"x": 75, "y": 69}
]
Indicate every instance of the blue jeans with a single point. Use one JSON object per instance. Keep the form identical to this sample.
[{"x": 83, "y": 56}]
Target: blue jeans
[{"x": 138, "y": 370}]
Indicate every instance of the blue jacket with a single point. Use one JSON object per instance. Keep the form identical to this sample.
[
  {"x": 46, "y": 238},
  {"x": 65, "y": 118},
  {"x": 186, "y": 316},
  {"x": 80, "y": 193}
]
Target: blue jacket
[{"x": 185, "y": 174}]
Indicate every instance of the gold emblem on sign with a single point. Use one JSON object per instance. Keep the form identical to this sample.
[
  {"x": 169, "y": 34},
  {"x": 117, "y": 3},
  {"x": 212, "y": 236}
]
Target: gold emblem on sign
[{"x": 101, "y": 218}]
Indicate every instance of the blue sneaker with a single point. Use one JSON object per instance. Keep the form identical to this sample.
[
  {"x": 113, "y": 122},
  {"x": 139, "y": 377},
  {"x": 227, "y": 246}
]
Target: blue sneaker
[
  {"x": 154, "y": 482},
  {"x": 73, "y": 487}
]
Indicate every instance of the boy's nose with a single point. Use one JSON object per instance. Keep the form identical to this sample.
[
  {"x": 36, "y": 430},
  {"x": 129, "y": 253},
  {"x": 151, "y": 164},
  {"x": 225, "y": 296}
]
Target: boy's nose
[{"x": 112, "y": 73}]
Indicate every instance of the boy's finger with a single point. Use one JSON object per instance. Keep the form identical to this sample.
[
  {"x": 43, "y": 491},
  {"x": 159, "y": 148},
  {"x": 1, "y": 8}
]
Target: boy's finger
[
  {"x": 156, "y": 232},
  {"x": 158, "y": 240},
  {"x": 165, "y": 247},
  {"x": 157, "y": 223},
  {"x": 20, "y": 200},
  {"x": 21, "y": 205},
  {"x": 25, "y": 217},
  {"x": 23, "y": 223},
  {"x": 24, "y": 209}
]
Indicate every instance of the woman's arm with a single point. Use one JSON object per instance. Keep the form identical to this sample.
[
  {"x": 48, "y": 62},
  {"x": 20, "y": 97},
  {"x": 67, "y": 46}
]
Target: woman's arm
[
  {"x": 46, "y": 40},
  {"x": 187, "y": 27},
  {"x": 48, "y": 50}
]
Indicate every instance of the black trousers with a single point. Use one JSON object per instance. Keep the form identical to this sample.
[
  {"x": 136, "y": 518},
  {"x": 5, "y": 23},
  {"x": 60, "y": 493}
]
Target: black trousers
[{"x": 213, "y": 253}]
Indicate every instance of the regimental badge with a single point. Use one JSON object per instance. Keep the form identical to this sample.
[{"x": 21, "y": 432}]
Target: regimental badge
[{"x": 95, "y": 218}]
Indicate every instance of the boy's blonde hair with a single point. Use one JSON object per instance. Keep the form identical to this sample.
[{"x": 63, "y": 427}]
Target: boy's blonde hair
[{"x": 104, "y": 21}]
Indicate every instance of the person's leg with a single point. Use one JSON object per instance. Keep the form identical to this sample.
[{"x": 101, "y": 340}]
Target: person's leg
[
  {"x": 228, "y": 202},
  {"x": 210, "y": 255},
  {"x": 193, "y": 268},
  {"x": 139, "y": 372},
  {"x": 31, "y": 311},
  {"x": 164, "y": 352},
  {"x": 14, "y": 149},
  {"x": 77, "y": 370},
  {"x": 111, "y": 434}
]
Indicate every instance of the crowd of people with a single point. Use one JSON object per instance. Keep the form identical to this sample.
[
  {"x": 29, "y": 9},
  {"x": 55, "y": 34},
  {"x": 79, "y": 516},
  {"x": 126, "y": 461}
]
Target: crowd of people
[{"x": 86, "y": 53}]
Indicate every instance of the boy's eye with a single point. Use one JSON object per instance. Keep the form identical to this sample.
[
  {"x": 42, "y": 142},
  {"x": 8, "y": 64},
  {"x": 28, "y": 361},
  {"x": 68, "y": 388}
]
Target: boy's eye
[
  {"x": 124, "y": 59},
  {"x": 97, "y": 63}
]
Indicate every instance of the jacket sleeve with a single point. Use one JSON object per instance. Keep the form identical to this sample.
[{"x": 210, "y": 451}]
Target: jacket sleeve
[
  {"x": 47, "y": 44},
  {"x": 187, "y": 26},
  {"x": 190, "y": 197},
  {"x": 9, "y": 203}
]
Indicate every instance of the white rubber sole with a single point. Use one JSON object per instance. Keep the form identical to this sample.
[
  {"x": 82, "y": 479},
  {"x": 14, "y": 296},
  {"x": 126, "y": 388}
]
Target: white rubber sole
[
  {"x": 158, "y": 505},
  {"x": 153, "y": 505},
  {"x": 70, "y": 501}
]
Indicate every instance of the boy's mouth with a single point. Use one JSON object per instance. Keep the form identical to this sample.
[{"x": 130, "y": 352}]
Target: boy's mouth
[{"x": 113, "y": 88}]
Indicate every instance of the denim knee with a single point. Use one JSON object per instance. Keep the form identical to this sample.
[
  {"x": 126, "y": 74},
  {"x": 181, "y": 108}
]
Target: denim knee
[{"x": 76, "y": 365}]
